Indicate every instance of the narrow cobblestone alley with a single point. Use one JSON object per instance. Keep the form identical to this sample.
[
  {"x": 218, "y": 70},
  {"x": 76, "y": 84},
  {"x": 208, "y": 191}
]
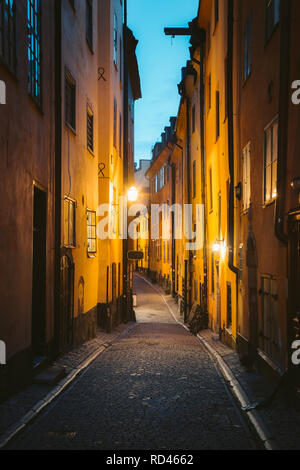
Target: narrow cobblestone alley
[{"x": 154, "y": 388}]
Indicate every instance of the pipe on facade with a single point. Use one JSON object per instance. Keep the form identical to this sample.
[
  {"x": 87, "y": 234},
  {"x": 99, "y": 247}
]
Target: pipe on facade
[
  {"x": 231, "y": 265},
  {"x": 58, "y": 136},
  {"x": 189, "y": 200},
  {"x": 285, "y": 35},
  {"x": 202, "y": 148},
  {"x": 125, "y": 161},
  {"x": 173, "y": 229}
]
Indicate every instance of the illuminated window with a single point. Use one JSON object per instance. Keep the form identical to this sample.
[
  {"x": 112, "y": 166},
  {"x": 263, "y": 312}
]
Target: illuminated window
[
  {"x": 270, "y": 162},
  {"x": 246, "y": 178},
  {"x": 91, "y": 232},
  {"x": 272, "y": 16},
  {"x": 8, "y": 33},
  {"x": 34, "y": 49}
]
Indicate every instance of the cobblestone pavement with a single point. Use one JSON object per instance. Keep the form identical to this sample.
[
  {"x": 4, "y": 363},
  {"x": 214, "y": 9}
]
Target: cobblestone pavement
[
  {"x": 281, "y": 418},
  {"x": 19, "y": 404},
  {"x": 154, "y": 388}
]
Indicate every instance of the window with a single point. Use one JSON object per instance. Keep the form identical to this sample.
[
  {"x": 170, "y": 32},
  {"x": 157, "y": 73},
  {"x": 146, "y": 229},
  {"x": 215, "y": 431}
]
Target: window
[
  {"x": 70, "y": 101},
  {"x": 121, "y": 60},
  {"x": 212, "y": 273},
  {"x": 115, "y": 39},
  {"x": 217, "y": 115},
  {"x": 269, "y": 335},
  {"x": 208, "y": 37},
  {"x": 248, "y": 47},
  {"x": 194, "y": 178},
  {"x": 91, "y": 232},
  {"x": 193, "y": 119},
  {"x": 220, "y": 216},
  {"x": 270, "y": 162},
  {"x": 90, "y": 128},
  {"x": 8, "y": 33},
  {"x": 89, "y": 22},
  {"x": 115, "y": 122},
  {"x": 156, "y": 183},
  {"x": 246, "y": 177},
  {"x": 272, "y": 16},
  {"x": 210, "y": 190},
  {"x": 162, "y": 177},
  {"x": 34, "y": 49},
  {"x": 209, "y": 91},
  {"x": 229, "y": 306},
  {"x": 120, "y": 136},
  {"x": 216, "y": 12},
  {"x": 69, "y": 223}
]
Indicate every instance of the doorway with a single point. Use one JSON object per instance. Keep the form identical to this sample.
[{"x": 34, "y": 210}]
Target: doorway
[{"x": 38, "y": 330}]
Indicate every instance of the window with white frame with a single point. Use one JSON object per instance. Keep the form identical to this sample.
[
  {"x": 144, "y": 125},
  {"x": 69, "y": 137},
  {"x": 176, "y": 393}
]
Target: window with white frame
[
  {"x": 246, "y": 177},
  {"x": 270, "y": 162},
  {"x": 91, "y": 232}
]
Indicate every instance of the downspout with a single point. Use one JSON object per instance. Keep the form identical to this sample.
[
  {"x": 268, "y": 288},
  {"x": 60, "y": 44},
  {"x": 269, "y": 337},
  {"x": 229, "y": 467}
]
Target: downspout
[
  {"x": 125, "y": 166},
  {"x": 231, "y": 265},
  {"x": 58, "y": 135},
  {"x": 188, "y": 189},
  {"x": 285, "y": 36},
  {"x": 203, "y": 173},
  {"x": 173, "y": 229}
]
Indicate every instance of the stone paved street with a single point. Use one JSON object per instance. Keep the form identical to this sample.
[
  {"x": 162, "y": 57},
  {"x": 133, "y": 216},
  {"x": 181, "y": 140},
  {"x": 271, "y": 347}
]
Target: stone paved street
[{"x": 154, "y": 388}]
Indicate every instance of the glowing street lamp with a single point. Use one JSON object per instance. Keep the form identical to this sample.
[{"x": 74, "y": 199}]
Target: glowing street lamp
[{"x": 132, "y": 194}]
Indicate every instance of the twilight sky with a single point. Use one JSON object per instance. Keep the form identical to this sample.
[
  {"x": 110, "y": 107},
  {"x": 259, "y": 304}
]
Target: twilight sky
[{"x": 160, "y": 61}]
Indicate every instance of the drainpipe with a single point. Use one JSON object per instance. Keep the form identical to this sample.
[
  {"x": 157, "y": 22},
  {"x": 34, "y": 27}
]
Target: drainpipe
[
  {"x": 57, "y": 197},
  {"x": 203, "y": 173},
  {"x": 173, "y": 229},
  {"x": 188, "y": 187},
  {"x": 125, "y": 165},
  {"x": 231, "y": 265},
  {"x": 284, "y": 97}
]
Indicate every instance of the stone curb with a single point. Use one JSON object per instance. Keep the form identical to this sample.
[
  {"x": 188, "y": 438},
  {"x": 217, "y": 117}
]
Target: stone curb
[
  {"x": 44, "y": 402},
  {"x": 240, "y": 394},
  {"x": 235, "y": 387}
]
